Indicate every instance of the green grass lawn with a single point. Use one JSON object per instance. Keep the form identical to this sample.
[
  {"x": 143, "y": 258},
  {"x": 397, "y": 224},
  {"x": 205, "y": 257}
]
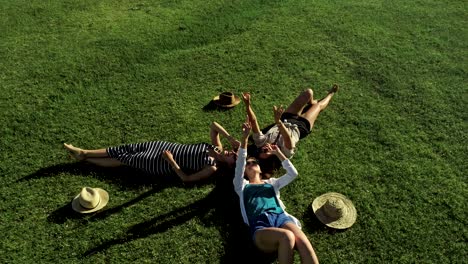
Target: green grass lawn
[{"x": 103, "y": 73}]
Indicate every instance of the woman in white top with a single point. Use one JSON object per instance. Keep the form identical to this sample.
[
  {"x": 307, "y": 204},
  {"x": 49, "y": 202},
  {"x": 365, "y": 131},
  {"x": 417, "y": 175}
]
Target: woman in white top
[{"x": 271, "y": 227}]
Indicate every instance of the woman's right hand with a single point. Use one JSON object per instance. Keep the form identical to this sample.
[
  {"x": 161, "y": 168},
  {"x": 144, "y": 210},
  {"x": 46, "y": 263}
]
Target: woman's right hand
[
  {"x": 275, "y": 150},
  {"x": 246, "y": 128}
]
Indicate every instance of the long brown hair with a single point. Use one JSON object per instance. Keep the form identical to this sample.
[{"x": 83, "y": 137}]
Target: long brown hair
[{"x": 268, "y": 166}]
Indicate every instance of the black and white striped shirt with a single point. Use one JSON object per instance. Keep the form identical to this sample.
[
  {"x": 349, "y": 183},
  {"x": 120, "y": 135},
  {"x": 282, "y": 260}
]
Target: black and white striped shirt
[{"x": 148, "y": 157}]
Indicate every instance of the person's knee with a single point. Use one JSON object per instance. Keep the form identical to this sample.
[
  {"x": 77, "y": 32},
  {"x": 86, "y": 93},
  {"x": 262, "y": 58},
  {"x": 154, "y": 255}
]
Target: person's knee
[
  {"x": 323, "y": 104},
  {"x": 288, "y": 238},
  {"x": 308, "y": 93}
]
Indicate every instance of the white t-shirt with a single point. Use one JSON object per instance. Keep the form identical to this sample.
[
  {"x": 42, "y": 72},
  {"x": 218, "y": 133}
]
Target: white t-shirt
[{"x": 273, "y": 136}]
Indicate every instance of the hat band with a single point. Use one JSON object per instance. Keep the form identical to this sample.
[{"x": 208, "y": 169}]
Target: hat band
[
  {"x": 89, "y": 205},
  {"x": 226, "y": 100}
]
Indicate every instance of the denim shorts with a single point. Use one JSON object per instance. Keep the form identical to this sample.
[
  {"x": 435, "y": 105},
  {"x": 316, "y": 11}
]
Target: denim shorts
[{"x": 268, "y": 219}]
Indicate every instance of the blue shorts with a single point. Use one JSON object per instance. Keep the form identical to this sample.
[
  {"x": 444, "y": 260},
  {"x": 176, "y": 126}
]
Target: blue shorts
[{"x": 269, "y": 219}]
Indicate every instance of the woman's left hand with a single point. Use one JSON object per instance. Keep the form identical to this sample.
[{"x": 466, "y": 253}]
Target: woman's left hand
[
  {"x": 167, "y": 155},
  {"x": 273, "y": 148},
  {"x": 246, "y": 98},
  {"x": 278, "y": 111}
]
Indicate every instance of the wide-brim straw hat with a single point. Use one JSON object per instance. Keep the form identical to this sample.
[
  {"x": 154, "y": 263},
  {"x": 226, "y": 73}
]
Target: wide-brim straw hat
[
  {"x": 226, "y": 100},
  {"x": 334, "y": 210},
  {"x": 90, "y": 200}
]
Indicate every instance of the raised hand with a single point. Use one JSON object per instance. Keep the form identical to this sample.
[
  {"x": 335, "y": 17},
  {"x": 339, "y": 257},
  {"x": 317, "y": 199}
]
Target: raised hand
[
  {"x": 246, "y": 98},
  {"x": 246, "y": 128},
  {"x": 271, "y": 148},
  {"x": 278, "y": 111},
  {"x": 275, "y": 150}
]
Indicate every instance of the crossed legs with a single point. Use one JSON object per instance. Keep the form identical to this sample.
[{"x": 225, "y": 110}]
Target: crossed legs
[
  {"x": 96, "y": 156},
  {"x": 283, "y": 240},
  {"x": 307, "y": 98}
]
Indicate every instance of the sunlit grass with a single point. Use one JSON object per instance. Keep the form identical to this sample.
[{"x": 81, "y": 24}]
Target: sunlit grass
[{"x": 102, "y": 73}]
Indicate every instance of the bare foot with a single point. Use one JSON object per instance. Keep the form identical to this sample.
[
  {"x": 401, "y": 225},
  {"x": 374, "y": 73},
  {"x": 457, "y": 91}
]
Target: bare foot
[
  {"x": 75, "y": 152},
  {"x": 334, "y": 88}
]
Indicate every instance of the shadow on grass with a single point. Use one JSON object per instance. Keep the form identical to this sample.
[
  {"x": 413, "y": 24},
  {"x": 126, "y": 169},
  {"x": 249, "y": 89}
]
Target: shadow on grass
[
  {"x": 311, "y": 224},
  {"x": 220, "y": 208},
  {"x": 211, "y": 106},
  {"x": 62, "y": 214},
  {"x": 121, "y": 176}
]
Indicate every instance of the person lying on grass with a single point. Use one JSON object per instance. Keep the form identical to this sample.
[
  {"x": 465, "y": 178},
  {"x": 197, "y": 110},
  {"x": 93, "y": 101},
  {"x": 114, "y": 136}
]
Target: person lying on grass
[
  {"x": 271, "y": 227},
  {"x": 190, "y": 162},
  {"x": 290, "y": 125}
]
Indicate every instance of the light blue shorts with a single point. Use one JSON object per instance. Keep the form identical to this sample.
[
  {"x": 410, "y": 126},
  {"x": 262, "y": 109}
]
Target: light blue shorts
[{"x": 268, "y": 219}]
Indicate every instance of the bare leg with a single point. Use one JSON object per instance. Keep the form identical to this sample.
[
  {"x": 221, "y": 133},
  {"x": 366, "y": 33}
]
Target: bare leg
[
  {"x": 96, "y": 153},
  {"x": 274, "y": 239},
  {"x": 303, "y": 245},
  {"x": 82, "y": 154},
  {"x": 324, "y": 102},
  {"x": 105, "y": 162},
  {"x": 296, "y": 107},
  {"x": 312, "y": 113}
]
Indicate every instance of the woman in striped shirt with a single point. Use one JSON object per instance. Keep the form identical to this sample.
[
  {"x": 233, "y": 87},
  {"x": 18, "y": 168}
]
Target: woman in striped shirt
[{"x": 190, "y": 162}]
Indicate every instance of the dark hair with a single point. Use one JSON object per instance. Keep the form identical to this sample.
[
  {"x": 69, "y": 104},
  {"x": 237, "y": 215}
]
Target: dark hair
[
  {"x": 253, "y": 151},
  {"x": 269, "y": 166},
  {"x": 225, "y": 165}
]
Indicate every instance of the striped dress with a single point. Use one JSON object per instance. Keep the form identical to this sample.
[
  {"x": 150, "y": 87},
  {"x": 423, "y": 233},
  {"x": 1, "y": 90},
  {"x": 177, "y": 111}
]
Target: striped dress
[{"x": 148, "y": 157}]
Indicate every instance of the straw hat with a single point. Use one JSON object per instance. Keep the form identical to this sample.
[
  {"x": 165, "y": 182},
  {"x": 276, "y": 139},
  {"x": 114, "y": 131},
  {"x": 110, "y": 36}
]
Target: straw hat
[
  {"x": 226, "y": 100},
  {"x": 334, "y": 210},
  {"x": 90, "y": 200}
]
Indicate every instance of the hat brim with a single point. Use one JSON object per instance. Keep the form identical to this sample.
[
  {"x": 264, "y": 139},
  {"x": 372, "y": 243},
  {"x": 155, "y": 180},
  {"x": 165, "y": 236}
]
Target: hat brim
[
  {"x": 82, "y": 210},
  {"x": 236, "y": 102},
  {"x": 349, "y": 211}
]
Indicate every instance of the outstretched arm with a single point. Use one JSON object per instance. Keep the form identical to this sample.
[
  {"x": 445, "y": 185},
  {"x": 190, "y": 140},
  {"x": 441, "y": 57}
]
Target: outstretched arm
[
  {"x": 250, "y": 113},
  {"x": 241, "y": 160},
  {"x": 201, "y": 175},
  {"x": 215, "y": 130},
  {"x": 278, "y": 111},
  {"x": 246, "y": 127},
  {"x": 291, "y": 172}
]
